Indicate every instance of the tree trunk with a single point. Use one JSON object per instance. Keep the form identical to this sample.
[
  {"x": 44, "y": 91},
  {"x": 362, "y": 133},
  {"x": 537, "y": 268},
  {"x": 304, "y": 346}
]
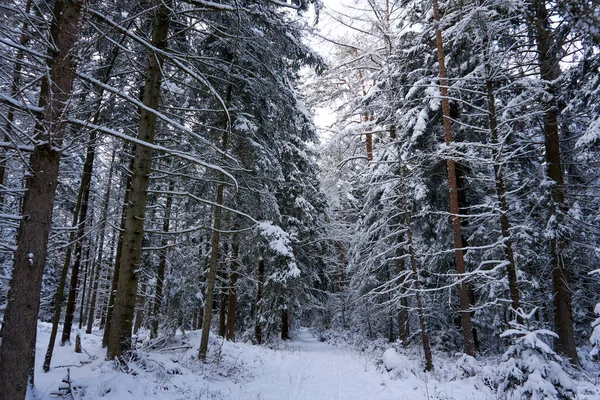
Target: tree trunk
[
  {"x": 501, "y": 193},
  {"x": 258, "y": 302},
  {"x": 561, "y": 275},
  {"x": 117, "y": 268},
  {"x": 222, "y": 313},
  {"x": 14, "y": 90},
  {"x": 119, "y": 339},
  {"x": 162, "y": 263},
  {"x": 414, "y": 269},
  {"x": 86, "y": 179},
  {"x": 17, "y": 354},
  {"x": 467, "y": 325},
  {"x": 139, "y": 313},
  {"x": 285, "y": 324},
  {"x": 403, "y": 321},
  {"x": 214, "y": 246},
  {"x": 99, "y": 259},
  {"x": 232, "y": 293}
]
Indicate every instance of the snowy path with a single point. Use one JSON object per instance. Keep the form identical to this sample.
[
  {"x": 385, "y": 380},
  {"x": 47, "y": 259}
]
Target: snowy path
[
  {"x": 304, "y": 369},
  {"x": 309, "y": 369}
]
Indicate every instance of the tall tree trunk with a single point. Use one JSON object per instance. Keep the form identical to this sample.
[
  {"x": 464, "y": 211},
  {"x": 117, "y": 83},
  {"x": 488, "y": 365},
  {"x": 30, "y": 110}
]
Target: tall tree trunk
[
  {"x": 61, "y": 285},
  {"x": 14, "y": 90},
  {"x": 119, "y": 340},
  {"x": 467, "y": 325},
  {"x": 139, "y": 312},
  {"x": 117, "y": 267},
  {"x": 99, "y": 259},
  {"x": 501, "y": 193},
  {"x": 549, "y": 65},
  {"x": 258, "y": 302},
  {"x": 414, "y": 269},
  {"x": 403, "y": 321},
  {"x": 86, "y": 179},
  {"x": 285, "y": 324},
  {"x": 222, "y": 313},
  {"x": 214, "y": 246},
  {"x": 232, "y": 293},
  {"x": 87, "y": 287},
  {"x": 19, "y": 331},
  {"x": 162, "y": 263}
]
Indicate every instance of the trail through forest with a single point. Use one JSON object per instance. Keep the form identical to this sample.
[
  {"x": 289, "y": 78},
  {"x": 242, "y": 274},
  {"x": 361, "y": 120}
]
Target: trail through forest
[{"x": 303, "y": 368}]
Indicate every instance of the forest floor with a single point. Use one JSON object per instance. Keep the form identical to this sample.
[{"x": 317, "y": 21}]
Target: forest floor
[{"x": 303, "y": 368}]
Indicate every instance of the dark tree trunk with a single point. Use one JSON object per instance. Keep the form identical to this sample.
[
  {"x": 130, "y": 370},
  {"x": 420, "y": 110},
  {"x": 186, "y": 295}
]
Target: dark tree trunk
[
  {"x": 86, "y": 179},
  {"x": 403, "y": 321},
  {"x": 285, "y": 324},
  {"x": 214, "y": 246},
  {"x": 119, "y": 340},
  {"x": 162, "y": 263},
  {"x": 258, "y": 302},
  {"x": 467, "y": 325},
  {"x": 222, "y": 313},
  {"x": 117, "y": 267},
  {"x": 501, "y": 193},
  {"x": 561, "y": 275},
  {"x": 100, "y": 257},
  {"x": 414, "y": 268},
  {"x": 232, "y": 293},
  {"x": 14, "y": 90},
  {"x": 17, "y": 354},
  {"x": 139, "y": 313}
]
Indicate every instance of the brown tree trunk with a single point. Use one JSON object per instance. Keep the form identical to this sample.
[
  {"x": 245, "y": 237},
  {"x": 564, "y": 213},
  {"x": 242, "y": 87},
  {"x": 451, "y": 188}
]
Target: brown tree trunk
[
  {"x": 119, "y": 339},
  {"x": 115, "y": 277},
  {"x": 222, "y": 313},
  {"x": 19, "y": 331},
  {"x": 214, "y": 246},
  {"x": 162, "y": 263},
  {"x": 501, "y": 193},
  {"x": 403, "y": 321},
  {"x": 61, "y": 285},
  {"x": 232, "y": 293},
  {"x": 14, "y": 90},
  {"x": 467, "y": 325},
  {"x": 139, "y": 312},
  {"x": 99, "y": 259},
  {"x": 414, "y": 269},
  {"x": 561, "y": 275},
  {"x": 86, "y": 179},
  {"x": 258, "y": 301}
]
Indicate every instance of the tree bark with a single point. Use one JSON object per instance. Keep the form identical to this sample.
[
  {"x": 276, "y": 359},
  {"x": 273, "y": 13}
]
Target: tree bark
[
  {"x": 232, "y": 293},
  {"x": 222, "y": 313},
  {"x": 86, "y": 180},
  {"x": 214, "y": 246},
  {"x": 414, "y": 268},
  {"x": 561, "y": 274},
  {"x": 467, "y": 325},
  {"x": 285, "y": 324},
  {"x": 119, "y": 340},
  {"x": 511, "y": 268},
  {"x": 162, "y": 263},
  {"x": 14, "y": 90},
  {"x": 19, "y": 331},
  {"x": 99, "y": 259},
  {"x": 258, "y": 301},
  {"x": 403, "y": 321}
]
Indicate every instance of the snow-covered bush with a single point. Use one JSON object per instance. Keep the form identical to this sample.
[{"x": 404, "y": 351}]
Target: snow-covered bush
[
  {"x": 531, "y": 369},
  {"x": 595, "y": 338}
]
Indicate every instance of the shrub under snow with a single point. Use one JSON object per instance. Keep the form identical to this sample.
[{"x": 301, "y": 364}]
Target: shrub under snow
[{"x": 531, "y": 369}]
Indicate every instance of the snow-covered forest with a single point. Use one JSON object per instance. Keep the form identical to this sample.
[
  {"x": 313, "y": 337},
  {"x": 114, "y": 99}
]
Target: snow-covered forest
[{"x": 300, "y": 199}]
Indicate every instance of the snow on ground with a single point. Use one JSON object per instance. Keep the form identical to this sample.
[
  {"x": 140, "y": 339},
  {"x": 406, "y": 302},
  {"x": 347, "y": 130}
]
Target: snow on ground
[{"x": 300, "y": 369}]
